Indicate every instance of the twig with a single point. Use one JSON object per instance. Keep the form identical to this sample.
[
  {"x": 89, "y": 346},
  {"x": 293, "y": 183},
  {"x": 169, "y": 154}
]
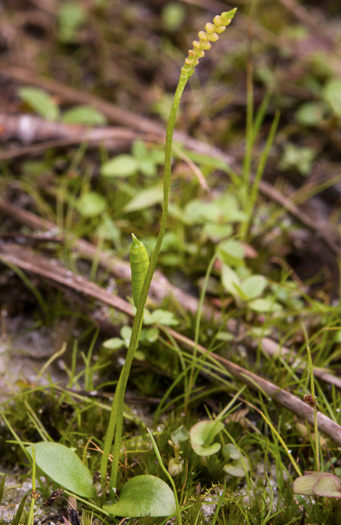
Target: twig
[{"x": 30, "y": 129}]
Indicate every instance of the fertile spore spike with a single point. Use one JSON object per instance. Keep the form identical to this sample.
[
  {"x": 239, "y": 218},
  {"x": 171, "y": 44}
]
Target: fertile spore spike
[{"x": 139, "y": 262}]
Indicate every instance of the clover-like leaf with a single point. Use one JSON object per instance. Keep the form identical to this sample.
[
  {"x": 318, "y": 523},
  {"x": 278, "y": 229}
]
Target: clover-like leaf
[
  {"x": 253, "y": 286},
  {"x": 64, "y": 467},
  {"x": 40, "y": 101},
  {"x": 332, "y": 94},
  {"x": 120, "y": 166},
  {"x": 198, "y": 212},
  {"x": 231, "y": 252},
  {"x": 144, "y": 496},
  {"x": 238, "y": 466},
  {"x": 311, "y": 113},
  {"x": 235, "y": 470},
  {"x": 216, "y": 232},
  {"x": 84, "y": 115},
  {"x": 318, "y": 484},
  {"x": 145, "y": 199},
  {"x": 265, "y": 305},
  {"x": 160, "y": 316},
  {"x": 91, "y": 204},
  {"x": 179, "y": 435},
  {"x": 230, "y": 280},
  {"x": 328, "y": 486},
  {"x": 230, "y": 451},
  {"x": 115, "y": 343},
  {"x": 201, "y": 436},
  {"x": 304, "y": 485}
]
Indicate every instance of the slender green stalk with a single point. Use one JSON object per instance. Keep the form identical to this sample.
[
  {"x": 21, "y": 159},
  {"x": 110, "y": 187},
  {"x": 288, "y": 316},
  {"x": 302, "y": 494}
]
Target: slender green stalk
[
  {"x": 220, "y": 416},
  {"x": 115, "y": 426},
  {"x": 30, "y": 519},
  {"x": 312, "y": 390},
  {"x": 158, "y": 455},
  {"x": 316, "y": 431},
  {"x": 251, "y": 201},
  {"x": 194, "y": 369},
  {"x": 15, "y": 435},
  {"x": 250, "y": 136},
  {"x": 109, "y": 436},
  {"x": 295, "y": 465},
  {"x": 249, "y": 132},
  {"x": 116, "y": 418}
]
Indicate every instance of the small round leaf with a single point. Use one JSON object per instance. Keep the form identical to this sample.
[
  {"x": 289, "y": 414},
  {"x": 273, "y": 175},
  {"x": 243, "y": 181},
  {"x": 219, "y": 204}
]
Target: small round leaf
[
  {"x": 202, "y": 435},
  {"x": 84, "y": 115},
  {"x": 144, "y": 496},
  {"x": 91, "y": 204},
  {"x": 40, "y": 101},
  {"x": 328, "y": 486},
  {"x": 120, "y": 166}
]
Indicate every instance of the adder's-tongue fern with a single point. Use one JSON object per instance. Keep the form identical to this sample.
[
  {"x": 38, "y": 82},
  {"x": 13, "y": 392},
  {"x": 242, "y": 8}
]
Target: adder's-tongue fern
[{"x": 115, "y": 426}]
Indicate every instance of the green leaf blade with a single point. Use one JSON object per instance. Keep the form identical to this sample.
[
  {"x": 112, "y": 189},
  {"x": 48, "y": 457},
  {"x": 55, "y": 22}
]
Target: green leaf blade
[
  {"x": 40, "y": 102},
  {"x": 120, "y": 166},
  {"x": 84, "y": 115},
  {"x": 201, "y": 435},
  {"x": 64, "y": 467},
  {"x": 144, "y": 496},
  {"x": 145, "y": 199},
  {"x": 91, "y": 204}
]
